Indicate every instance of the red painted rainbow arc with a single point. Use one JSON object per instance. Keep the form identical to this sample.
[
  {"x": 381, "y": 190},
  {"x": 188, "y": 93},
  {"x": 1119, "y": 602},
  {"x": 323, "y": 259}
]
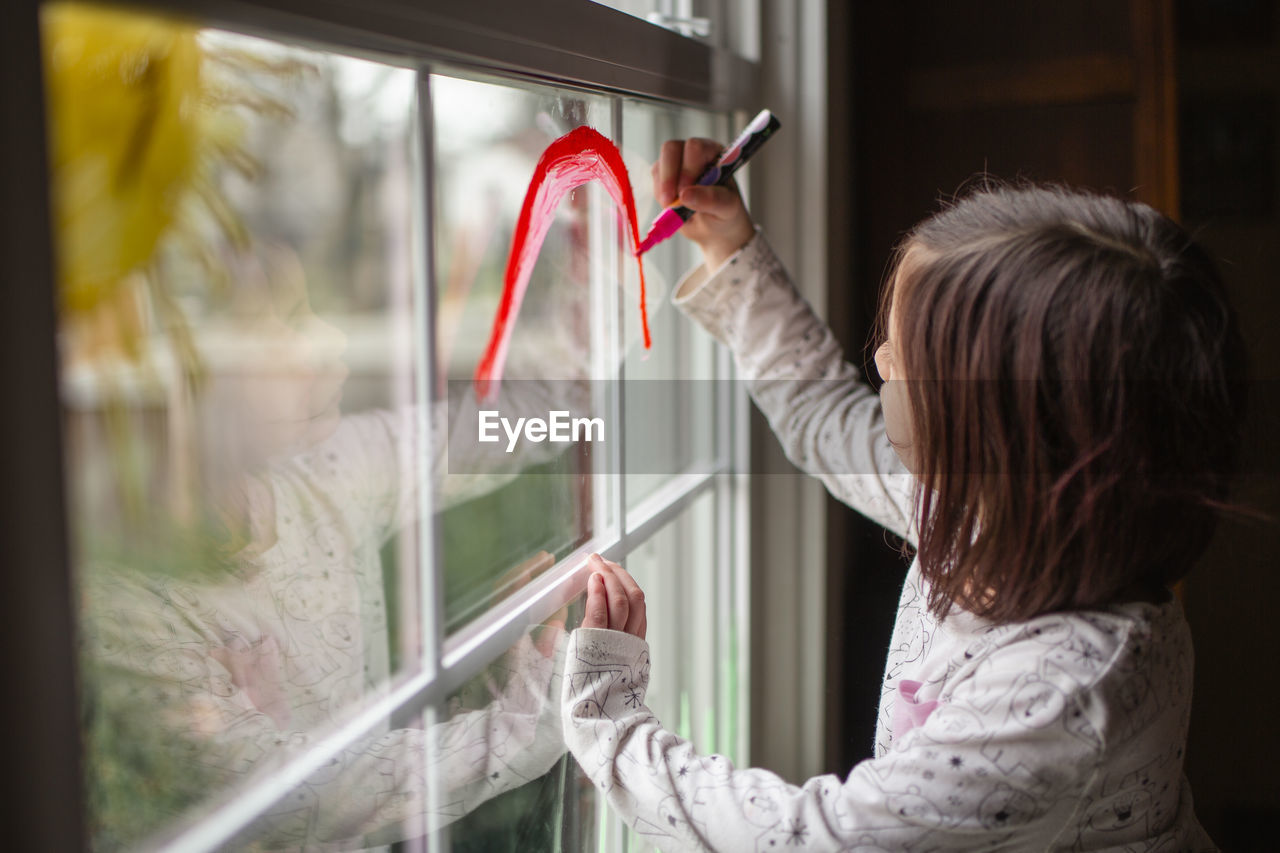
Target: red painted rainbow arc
[{"x": 579, "y": 157}]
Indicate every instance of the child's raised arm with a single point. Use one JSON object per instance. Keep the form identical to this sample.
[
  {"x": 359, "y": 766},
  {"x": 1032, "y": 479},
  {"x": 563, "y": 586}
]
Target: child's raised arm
[{"x": 827, "y": 419}]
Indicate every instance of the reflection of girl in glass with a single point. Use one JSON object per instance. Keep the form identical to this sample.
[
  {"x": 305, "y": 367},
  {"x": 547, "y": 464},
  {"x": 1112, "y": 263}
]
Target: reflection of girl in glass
[
  {"x": 242, "y": 646},
  {"x": 233, "y": 604}
]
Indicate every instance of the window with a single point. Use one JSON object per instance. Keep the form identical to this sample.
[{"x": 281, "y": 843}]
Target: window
[
  {"x": 307, "y": 618},
  {"x": 709, "y": 20}
]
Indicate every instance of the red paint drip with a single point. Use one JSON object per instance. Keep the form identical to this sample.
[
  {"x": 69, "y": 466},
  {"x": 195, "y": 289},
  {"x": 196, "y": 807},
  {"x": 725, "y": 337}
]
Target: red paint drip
[{"x": 579, "y": 157}]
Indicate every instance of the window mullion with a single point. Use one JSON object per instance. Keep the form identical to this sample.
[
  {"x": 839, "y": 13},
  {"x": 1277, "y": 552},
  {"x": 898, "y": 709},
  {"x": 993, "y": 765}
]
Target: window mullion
[
  {"x": 618, "y": 350},
  {"x": 485, "y": 638},
  {"x": 430, "y": 390},
  {"x": 661, "y": 508},
  {"x": 740, "y": 563}
]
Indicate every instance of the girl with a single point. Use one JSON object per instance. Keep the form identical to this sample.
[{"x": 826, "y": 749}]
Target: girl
[{"x": 1054, "y": 438}]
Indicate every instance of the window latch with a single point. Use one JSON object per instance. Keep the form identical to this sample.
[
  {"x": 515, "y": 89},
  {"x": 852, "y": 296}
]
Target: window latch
[{"x": 689, "y": 27}]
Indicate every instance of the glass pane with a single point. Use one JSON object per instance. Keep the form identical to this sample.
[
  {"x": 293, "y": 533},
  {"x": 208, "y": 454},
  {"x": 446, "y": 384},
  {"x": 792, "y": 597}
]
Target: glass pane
[
  {"x": 500, "y": 760},
  {"x": 638, "y": 8},
  {"x": 486, "y": 772},
  {"x": 377, "y": 791},
  {"x": 670, "y": 395},
  {"x": 534, "y": 505},
  {"x": 236, "y": 238},
  {"x": 676, "y": 568},
  {"x": 701, "y": 19},
  {"x": 693, "y": 683}
]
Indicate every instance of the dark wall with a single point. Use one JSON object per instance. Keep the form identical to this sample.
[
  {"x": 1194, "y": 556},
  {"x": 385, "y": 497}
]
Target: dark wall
[
  {"x": 1229, "y": 84},
  {"x": 1088, "y": 93}
]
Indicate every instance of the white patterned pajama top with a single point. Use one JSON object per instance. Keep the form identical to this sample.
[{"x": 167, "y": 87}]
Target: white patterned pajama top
[{"x": 1064, "y": 732}]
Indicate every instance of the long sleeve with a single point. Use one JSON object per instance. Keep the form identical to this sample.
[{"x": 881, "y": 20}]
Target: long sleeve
[
  {"x": 1011, "y": 757},
  {"x": 826, "y": 417}
]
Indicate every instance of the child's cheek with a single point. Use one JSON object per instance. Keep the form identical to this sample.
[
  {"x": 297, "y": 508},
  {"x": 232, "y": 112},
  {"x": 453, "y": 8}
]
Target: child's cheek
[{"x": 897, "y": 420}]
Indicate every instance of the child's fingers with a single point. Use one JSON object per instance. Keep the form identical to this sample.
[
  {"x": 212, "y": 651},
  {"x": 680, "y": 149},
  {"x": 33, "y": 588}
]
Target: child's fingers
[
  {"x": 615, "y": 593},
  {"x": 668, "y": 171},
  {"x": 614, "y": 599},
  {"x": 722, "y": 202},
  {"x": 635, "y": 601},
  {"x": 619, "y": 603},
  {"x": 698, "y": 154},
  {"x": 597, "y": 615}
]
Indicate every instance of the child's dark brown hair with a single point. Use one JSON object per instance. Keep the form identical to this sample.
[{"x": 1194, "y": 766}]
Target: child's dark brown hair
[{"x": 1076, "y": 381}]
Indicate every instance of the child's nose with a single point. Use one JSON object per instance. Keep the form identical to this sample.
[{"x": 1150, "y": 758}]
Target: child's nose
[
  {"x": 884, "y": 361},
  {"x": 332, "y": 340},
  {"x": 324, "y": 342}
]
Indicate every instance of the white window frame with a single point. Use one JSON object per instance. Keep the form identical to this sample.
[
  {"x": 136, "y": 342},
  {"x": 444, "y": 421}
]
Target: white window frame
[{"x": 788, "y": 511}]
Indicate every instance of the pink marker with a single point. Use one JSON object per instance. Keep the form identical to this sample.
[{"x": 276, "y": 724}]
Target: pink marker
[{"x": 748, "y": 142}]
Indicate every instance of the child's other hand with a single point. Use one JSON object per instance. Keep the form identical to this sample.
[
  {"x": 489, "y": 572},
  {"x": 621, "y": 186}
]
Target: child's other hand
[
  {"x": 722, "y": 225},
  {"x": 614, "y": 599}
]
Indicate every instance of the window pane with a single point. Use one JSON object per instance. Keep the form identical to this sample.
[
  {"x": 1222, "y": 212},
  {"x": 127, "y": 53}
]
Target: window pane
[
  {"x": 236, "y": 241},
  {"x": 694, "y": 680},
  {"x": 731, "y": 24},
  {"x": 488, "y": 771},
  {"x": 670, "y": 398},
  {"x": 677, "y": 570},
  {"x": 537, "y": 506},
  {"x": 499, "y": 755},
  {"x": 638, "y": 8},
  {"x": 681, "y": 16}
]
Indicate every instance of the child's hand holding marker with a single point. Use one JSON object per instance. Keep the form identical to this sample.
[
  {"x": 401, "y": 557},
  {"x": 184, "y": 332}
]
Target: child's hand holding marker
[
  {"x": 696, "y": 174},
  {"x": 614, "y": 599}
]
